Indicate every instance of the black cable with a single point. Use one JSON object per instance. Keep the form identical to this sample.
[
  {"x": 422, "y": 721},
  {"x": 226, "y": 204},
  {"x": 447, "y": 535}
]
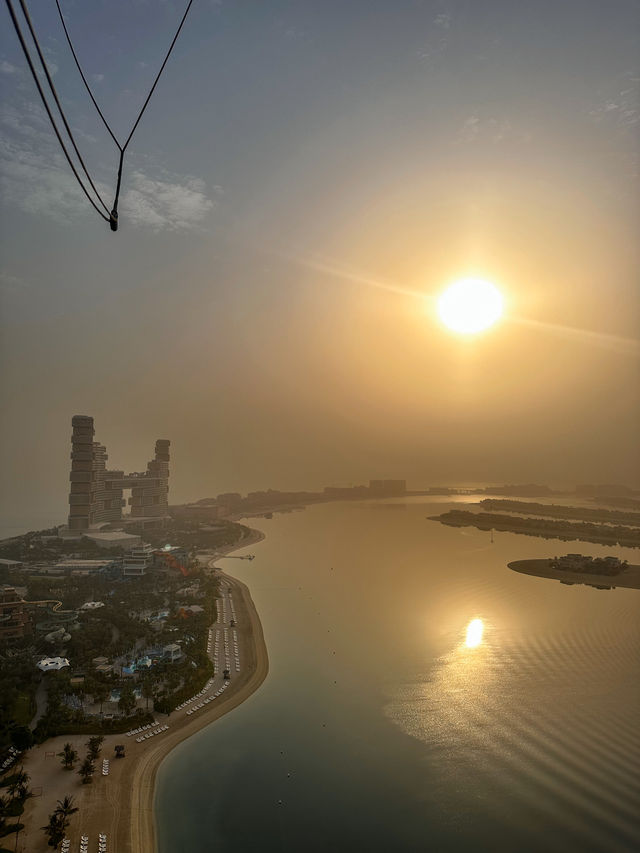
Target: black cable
[
  {"x": 34, "y": 74},
  {"x": 27, "y": 18},
  {"x": 114, "y": 212},
  {"x": 84, "y": 79},
  {"x": 144, "y": 106},
  {"x": 113, "y": 219}
]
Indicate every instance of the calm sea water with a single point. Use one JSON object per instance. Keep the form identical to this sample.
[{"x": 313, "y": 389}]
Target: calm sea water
[{"x": 378, "y": 729}]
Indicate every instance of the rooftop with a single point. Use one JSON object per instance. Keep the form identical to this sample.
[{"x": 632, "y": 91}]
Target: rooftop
[{"x": 47, "y": 664}]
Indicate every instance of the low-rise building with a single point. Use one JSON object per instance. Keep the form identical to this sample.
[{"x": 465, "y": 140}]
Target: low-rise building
[
  {"x": 137, "y": 561},
  {"x": 92, "y": 605},
  {"x": 11, "y": 565},
  {"x": 15, "y": 621},
  {"x": 49, "y": 664},
  {"x": 80, "y": 566},
  {"x": 187, "y": 610},
  {"x": 172, "y": 653},
  {"x": 113, "y": 539},
  {"x": 171, "y": 558}
]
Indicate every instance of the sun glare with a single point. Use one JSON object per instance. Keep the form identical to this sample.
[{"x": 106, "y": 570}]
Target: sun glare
[
  {"x": 470, "y": 305},
  {"x": 475, "y": 629}
]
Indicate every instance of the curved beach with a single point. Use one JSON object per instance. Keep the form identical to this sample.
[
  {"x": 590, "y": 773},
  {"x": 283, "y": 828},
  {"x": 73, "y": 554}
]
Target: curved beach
[
  {"x": 121, "y": 804},
  {"x": 140, "y": 790}
]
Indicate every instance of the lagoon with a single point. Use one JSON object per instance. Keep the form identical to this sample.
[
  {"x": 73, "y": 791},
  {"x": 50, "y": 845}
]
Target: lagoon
[{"x": 379, "y": 728}]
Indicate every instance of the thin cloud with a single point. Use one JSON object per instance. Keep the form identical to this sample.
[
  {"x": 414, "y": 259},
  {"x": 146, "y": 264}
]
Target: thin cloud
[
  {"x": 11, "y": 283},
  {"x": 36, "y": 179},
  {"x": 443, "y": 21},
  {"x": 438, "y": 40},
  {"x": 490, "y": 130},
  {"x": 170, "y": 203}
]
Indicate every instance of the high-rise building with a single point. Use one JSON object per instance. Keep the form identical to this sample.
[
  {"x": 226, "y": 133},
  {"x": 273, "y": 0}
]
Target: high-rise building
[
  {"x": 96, "y": 493},
  {"x": 82, "y": 494},
  {"x": 150, "y": 491}
]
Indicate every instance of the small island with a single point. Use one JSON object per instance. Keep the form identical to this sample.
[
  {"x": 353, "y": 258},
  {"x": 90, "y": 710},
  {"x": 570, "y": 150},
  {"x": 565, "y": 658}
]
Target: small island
[
  {"x": 548, "y": 528},
  {"x": 598, "y": 572}
]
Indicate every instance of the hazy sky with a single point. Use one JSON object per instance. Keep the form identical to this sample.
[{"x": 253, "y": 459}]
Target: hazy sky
[{"x": 307, "y": 179}]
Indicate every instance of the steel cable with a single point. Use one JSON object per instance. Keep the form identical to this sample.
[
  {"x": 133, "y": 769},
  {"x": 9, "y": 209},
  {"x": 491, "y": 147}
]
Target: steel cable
[
  {"x": 121, "y": 148},
  {"x": 84, "y": 79},
  {"x": 34, "y": 74},
  {"x": 27, "y": 18}
]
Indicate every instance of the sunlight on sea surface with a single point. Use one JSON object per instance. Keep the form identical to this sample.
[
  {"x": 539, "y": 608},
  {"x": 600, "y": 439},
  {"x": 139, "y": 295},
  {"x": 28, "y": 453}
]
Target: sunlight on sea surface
[
  {"x": 475, "y": 630},
  {"x": 379, "y": 728}
]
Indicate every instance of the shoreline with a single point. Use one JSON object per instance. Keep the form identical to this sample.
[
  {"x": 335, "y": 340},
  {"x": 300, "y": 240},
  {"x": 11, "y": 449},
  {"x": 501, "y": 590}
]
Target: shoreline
[
  {"x": 122, "y": 804},
  {"x": 144, "y": 834}
]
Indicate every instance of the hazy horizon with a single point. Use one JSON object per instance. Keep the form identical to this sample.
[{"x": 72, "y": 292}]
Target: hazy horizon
[{"x": 308, "y": 178}]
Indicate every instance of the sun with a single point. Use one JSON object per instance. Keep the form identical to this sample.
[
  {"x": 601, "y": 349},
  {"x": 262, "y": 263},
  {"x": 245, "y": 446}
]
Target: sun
[{"x": 470, "y": 305}]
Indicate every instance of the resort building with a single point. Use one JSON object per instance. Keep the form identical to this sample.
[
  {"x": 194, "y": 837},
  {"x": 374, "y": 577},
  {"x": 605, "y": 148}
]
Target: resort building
[
  {"x": 171, "y": 557},
  {"x": 48, "y": 664},
  {"x": 10, "y": 565},
  {"x": 137, "y": 561},
  {"x": 15, "y": 621},
  {"x": 172, "y": 653},
  {"x": 83, "y": 567},
  {"x": 113, "y": 539},
  {"x": 96, "y": 493}
]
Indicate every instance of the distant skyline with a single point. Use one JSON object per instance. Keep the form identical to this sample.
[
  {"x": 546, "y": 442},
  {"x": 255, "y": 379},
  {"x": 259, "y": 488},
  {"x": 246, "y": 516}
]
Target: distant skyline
[{"x": 307, "y": 180}]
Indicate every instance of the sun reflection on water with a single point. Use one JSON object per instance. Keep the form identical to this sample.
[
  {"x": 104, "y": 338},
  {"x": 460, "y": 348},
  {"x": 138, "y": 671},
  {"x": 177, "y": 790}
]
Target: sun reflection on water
[
  {"x": 453, "y": 705},
  {"x": 475, "y": 629}
]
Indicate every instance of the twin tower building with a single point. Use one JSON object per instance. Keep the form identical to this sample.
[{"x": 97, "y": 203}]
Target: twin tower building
[{"x": 96, "y": 495}]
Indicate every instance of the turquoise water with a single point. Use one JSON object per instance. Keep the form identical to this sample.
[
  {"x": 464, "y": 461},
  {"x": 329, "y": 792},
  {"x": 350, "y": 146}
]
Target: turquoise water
[{"x": 379, "y": 729}]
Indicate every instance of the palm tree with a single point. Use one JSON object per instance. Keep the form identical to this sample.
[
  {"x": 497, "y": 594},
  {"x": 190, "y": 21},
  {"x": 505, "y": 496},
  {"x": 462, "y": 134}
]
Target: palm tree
[
  {"x": 55, "y": 830},
  {"x": 65, "y": 809},
  {"x": 23, "y": 791},
  {"x": 101, "y": 693},
  {"x": 69, "y": 756},
  {"x": 127, "y": 701},
  {"x": 93, "y": 745},
  {"x": 18, "y": 783},
  {"x": 86, "y": 770},
  {"x": 148, "y": 689}
]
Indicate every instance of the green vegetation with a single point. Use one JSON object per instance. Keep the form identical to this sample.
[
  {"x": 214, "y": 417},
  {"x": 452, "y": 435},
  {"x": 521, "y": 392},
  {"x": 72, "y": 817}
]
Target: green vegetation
[
  {"x": 18, "y": 682},
  {"x": 596, "y": 514},
  {"x": 18, "y": 790},
  {"x": 68, "y": 756},
  {"x": 23, "y": 708},
  {"x": 549, "y": 529},
  {"x": 138, "y": 616},
  {"x": 59, "y": 821},
  {"x": 86, "y": 771},
  {"x": 192, "y": 535},
  {"x": 94, "y": 745}
]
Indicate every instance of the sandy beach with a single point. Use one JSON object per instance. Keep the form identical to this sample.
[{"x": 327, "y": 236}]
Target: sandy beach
[{"x": 121, "y": 804}]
